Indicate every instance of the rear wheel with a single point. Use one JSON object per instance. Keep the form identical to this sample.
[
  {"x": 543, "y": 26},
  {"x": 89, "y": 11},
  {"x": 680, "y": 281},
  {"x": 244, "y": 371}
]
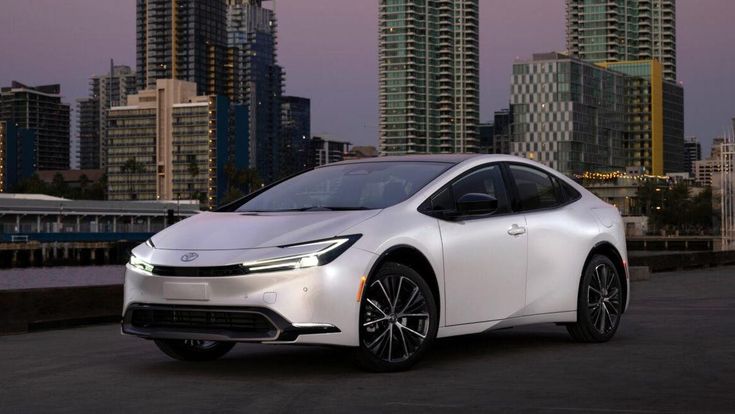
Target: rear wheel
[
  {"x": 600, "y": 302},
  {"x": 193, "y": 349},
  {"x": 398, "y": 319}
]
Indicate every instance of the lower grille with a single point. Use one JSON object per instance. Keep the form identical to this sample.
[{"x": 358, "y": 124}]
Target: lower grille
[{"x": 200, "y": 320}]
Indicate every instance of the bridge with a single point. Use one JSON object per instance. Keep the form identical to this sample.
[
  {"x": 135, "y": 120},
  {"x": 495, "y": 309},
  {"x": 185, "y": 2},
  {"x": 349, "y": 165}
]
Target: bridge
[{"x": 673, "y": 354}]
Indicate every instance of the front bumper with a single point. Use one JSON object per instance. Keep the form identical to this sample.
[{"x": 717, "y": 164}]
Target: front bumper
[
  {"x": 313, "y": 305},
  {"x": 214, "y": 323}
]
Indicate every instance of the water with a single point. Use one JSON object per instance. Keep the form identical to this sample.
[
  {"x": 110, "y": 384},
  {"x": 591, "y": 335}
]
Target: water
[{"x": 44, "y": 277}]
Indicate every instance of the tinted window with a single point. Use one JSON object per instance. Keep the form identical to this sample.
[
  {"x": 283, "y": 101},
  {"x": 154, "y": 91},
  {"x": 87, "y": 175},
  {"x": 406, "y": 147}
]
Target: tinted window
[
  {"x": 536, "y": 189},
  {"x": 359, "y": 186},
  {"x": 487, "y": 180}
]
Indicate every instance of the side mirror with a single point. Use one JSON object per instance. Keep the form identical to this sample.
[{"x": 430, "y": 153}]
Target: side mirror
[{"x": 475, "y": 204}]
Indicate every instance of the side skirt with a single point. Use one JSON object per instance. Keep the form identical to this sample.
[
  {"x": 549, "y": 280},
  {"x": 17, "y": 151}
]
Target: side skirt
[{"x": 470, "y": 328}]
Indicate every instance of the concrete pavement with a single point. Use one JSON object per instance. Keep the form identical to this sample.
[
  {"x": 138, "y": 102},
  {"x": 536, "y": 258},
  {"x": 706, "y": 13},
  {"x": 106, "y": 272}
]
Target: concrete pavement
[{"x": 675, "y": 352}]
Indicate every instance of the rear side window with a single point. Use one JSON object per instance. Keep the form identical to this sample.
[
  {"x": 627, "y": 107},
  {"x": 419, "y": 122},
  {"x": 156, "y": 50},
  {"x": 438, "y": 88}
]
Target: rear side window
[{"x": 536, "y": 189}]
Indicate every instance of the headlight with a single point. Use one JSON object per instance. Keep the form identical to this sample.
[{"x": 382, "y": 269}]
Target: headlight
[
  {"x": 140, "y": 264},
  {"x": 316, "y": 253}
]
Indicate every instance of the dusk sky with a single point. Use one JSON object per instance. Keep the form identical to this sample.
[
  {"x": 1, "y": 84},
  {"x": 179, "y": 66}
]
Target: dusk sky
[{"x": 329, "y": 51}]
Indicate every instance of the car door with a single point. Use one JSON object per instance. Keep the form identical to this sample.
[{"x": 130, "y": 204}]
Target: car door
[
  {"x": 484, "y": 255},
  {"x": 554, "y": 233}
]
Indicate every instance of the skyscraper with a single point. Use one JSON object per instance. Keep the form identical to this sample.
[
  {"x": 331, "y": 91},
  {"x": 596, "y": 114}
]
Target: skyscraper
[
  {"x": 655, "y": 140},
  {"x": 182, "y": 39},
  {"x": 429, "y": 76},
  {"x": 40, "y": 108},
  {"x": 296, "y": 121},
  {"x": 692, "y": 153},
  {"x": 105, "y": 91},
  {"x": 623, "y": 30},
  {"x": 255, "y": 79}
]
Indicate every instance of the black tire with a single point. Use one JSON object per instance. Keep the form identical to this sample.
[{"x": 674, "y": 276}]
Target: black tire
[
  {"x": 396, "y": 330},
  {"x": 193, "y": 350},
  {"x": 599, "y": 303}
]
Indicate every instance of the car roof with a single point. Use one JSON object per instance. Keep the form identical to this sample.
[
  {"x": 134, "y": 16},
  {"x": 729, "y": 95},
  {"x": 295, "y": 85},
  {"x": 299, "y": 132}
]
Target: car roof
[{"x": 445, "y": 158}]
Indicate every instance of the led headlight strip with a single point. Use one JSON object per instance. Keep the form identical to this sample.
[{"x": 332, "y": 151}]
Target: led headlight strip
[
  {"x": 140, "y": 264},
  {"x": 331, "y": 250}
]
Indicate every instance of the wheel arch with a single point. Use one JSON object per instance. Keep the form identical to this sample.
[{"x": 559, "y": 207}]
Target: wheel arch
[
  {"x": 608, "y": 250},
  {"x": 413, "y": 258}
]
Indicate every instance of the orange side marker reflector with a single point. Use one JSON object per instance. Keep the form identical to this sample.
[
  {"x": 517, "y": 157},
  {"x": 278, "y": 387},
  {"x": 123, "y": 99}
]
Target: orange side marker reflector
[{"x": 360, "y": 289}]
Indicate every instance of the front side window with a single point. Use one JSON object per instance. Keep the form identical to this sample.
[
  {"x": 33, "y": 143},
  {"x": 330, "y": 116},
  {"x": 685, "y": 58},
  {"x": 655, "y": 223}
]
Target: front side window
[
  {"x": 536, "y": 189},
  {"x": 358, "y": 186},
  {"x": 486, "y": 180}
]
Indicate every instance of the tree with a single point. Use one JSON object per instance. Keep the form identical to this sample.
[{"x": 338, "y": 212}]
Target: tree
[
  {"x": 59, "y": 187},
  {"x": 130, "y": 168},
  {"x": 240, "y": 181},
  {"x": 193, "y": 169},
  {"x": 672, "y": 209}
]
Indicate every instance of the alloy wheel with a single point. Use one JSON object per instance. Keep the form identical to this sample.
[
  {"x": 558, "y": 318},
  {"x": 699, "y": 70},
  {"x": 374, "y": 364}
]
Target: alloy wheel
[
  {"x": 603, "y": 299},
  {"x": 396, "y": 319}
]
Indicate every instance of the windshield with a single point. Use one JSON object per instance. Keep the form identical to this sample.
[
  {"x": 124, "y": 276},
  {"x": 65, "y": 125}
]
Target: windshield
[{"x": 359, "y": 186}]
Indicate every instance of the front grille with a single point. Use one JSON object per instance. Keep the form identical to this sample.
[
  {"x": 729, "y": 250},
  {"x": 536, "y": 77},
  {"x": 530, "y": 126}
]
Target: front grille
[
  {"x": 215, "y": 271},
  {"x": 202, "y": 321}
]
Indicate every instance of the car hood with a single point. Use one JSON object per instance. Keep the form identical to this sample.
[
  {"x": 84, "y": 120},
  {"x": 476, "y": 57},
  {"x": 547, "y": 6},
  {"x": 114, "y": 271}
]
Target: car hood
[{"x": 231, "y": 231}]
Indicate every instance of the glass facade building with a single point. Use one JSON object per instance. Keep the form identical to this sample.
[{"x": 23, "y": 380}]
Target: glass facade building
[
  {"x": 692, "y": 153},
  {"x": 17, "y": 155},
  {"x": 623, "y": 30},
  {"x": 568, "y": 114},
  {"x": 255, "y": 79},
  {"x": 655, "y": 116},
  {"x": 40, "y": 109},
  {"x": 296, "y": 120},
  {"x": 429, "y": 76}
]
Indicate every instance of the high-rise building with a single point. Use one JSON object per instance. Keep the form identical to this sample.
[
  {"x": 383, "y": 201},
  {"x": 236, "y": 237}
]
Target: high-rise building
[
  {"x": 657, "y": 34},
  {"x": 486, "y": 137},
  {"x": 623, "y": 30},
  {"x": 568, "y": 114},
  {"x": 40, "y": 108},
  {"x": 502, "y": 131},
  {"x": 325, "y": 150},
  {"x": 255, "y": 79},
  {"x": 429, "y": 76},
  {"x": 182, "y": 39},
  {"x": 105, "y": 91},
  {"x": 170, "y": 143},
  {"x": 296, "y": 121},
  {"x": 692, "y": 153},
  {"x": 17, "y": 155},
  {"x": 655, "y": 137}
]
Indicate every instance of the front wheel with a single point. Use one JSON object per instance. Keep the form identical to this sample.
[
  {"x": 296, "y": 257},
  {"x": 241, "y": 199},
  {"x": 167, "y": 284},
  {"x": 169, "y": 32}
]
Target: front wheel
[
  {"x": 398, "y": 319},
  {"x": 193, "y": 349},
  {"x": 600, "y": 302}
]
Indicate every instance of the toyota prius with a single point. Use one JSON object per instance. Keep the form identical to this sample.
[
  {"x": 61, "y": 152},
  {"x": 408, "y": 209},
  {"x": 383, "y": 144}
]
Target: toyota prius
[{"x": 384, "y": 255}]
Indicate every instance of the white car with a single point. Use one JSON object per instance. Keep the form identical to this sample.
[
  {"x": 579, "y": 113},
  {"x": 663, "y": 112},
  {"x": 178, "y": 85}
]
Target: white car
[{"x": 384, "y": 255}]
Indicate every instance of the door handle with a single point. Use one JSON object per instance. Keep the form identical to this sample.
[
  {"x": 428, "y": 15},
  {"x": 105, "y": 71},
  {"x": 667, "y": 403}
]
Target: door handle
[{"x": 516, "y": 230}]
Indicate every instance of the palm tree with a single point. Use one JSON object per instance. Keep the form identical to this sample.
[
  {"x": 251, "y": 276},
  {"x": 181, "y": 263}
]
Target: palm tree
[{"x": 130, "y": 168}]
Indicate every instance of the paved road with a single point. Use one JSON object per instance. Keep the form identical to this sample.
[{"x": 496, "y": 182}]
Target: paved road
[{"x": 675, "y": 352}]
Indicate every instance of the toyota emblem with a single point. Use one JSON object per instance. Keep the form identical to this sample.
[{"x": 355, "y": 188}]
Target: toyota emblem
[{"x": 189, "y": 257}]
